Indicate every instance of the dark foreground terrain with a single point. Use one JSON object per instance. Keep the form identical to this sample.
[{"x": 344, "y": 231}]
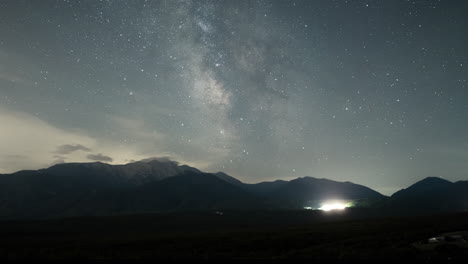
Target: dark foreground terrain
[{"x": 351, "y": 234}]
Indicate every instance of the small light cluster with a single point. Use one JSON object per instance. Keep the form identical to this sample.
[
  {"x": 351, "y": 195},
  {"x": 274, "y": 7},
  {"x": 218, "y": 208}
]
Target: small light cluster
[
  {"x": 333, "y": 206},
  {"x": 330, "y": 205}
]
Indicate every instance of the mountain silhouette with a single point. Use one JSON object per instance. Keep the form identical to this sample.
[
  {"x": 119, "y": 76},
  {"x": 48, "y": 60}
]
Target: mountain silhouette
[
  {"x": 58, "y": 188},
  {"x": 431, "y": 194},
  {"x": 306, "y": 190},
  {"x": 429, "y": 185},
  {"x": 161, "y": 185},
  {"x": 188, "y": 191}
]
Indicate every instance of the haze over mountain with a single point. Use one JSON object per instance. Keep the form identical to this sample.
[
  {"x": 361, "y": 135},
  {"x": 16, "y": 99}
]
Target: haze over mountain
[{"x": 162, "y": 185}]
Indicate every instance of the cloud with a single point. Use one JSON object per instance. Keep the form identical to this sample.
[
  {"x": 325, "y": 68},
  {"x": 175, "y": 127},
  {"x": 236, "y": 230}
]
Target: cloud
[
  {"x": 99, "y": 157},
  {"x": 67, "y": 149},
  {"x": 27, "y": 142},
  {"x": 29, "y": 139}
]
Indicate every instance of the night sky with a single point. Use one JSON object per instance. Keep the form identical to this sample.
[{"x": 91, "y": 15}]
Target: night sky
[{"x": 372, "y": 92}]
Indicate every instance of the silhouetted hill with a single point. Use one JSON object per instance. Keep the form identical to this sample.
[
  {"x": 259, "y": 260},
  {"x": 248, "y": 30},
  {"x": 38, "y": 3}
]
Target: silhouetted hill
[
  {"x": 51, "y": 191},
  {"x": 46, "y": 192},
  {"x": 161, "y": 185},
  {"x": 188, "y": 191},
  {"x": 429, "y": 185},
  {"x": 193, "y": 191},
  {"x": 431, "y": 194},
  {"x": 153, "y": 185},
  {"x": 301, "y": 191},
  {"x": 228, "y": 178}
]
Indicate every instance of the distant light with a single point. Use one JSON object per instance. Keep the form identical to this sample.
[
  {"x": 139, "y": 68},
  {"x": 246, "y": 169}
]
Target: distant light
[{"x": 333, "y": 206}]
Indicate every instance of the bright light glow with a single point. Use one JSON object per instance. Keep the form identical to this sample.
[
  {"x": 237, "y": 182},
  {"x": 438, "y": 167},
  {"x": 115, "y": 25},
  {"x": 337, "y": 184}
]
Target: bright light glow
[{"x": 333, "y": 206}]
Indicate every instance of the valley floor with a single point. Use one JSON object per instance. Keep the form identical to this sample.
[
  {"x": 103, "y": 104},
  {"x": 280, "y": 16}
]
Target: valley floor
[{"x": 242, "y": 235}]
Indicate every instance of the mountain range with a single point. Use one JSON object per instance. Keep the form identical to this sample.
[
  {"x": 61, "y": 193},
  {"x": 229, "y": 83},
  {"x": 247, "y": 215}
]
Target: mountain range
[{"x": 162, "y": 185}]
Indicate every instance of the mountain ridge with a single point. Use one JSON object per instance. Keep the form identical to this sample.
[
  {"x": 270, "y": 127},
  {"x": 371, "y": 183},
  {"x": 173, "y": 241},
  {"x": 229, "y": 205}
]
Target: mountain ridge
[{"x": 163, "y": 185}]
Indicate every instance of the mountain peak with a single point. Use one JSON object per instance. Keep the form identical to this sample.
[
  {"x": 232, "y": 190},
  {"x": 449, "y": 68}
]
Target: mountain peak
[
  {"x": 431, "y": 181},
  {"x": 428, "y": 184},
  {"x": 306, "y": 178}
]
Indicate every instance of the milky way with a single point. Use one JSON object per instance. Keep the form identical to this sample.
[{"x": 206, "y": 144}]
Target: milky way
[{"x": 373, "y": 92}]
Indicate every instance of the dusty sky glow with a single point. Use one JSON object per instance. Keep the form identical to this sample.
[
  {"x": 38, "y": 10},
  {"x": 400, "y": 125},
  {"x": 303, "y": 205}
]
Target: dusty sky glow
[{"x": 373, "y": 92}]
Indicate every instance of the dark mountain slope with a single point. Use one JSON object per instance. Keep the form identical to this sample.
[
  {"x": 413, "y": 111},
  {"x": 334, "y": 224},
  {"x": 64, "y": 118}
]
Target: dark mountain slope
[
  {"x": 431, "y": 194},
  {"x": 157, "y": 185},
  {"x": 297, "y": 193},
  {"x": 228, "y": 178},
  {"x": 194, "y": 191},
  {"x": 56, "y": 189},
  {"x": 189, "y": 191},
  {"x": 429, "y": 185}
]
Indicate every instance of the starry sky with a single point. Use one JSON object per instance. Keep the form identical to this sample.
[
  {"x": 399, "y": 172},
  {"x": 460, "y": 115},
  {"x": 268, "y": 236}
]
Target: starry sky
[{"x": 373, "y": 92}]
